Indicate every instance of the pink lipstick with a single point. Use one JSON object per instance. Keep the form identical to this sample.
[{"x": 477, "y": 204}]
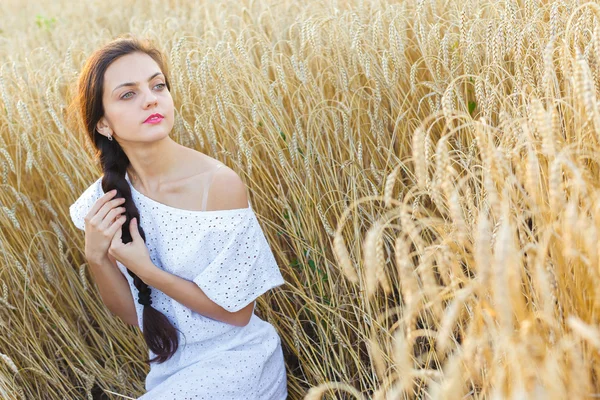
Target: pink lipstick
[{"x": 154, "y": 119}]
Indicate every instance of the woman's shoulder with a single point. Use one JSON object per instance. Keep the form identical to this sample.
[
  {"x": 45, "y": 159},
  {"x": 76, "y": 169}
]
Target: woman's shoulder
[
  {"x": 214, "y": 185},
  {"x": 224, "y": 186},
  {"x": 227, "y": 190}
]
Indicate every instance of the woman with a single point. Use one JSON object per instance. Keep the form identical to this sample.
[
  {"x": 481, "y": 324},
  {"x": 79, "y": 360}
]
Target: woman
[{"x": 195, "y": 259}]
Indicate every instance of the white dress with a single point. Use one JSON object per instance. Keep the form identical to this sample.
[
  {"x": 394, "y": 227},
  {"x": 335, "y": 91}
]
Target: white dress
[{"x": 227, "y": 255}]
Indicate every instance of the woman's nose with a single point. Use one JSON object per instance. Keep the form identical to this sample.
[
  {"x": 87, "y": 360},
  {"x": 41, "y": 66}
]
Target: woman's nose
[{"x": 150, "y": 99}]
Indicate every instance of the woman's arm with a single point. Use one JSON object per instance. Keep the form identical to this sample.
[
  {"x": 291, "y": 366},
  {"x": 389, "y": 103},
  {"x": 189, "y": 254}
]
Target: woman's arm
[
  {"x": 114, "y": 289},
  {"x": 190, "y": 295}
]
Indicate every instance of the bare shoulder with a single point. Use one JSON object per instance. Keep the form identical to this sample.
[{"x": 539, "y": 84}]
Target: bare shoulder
[{"x": 227, "y": 190}]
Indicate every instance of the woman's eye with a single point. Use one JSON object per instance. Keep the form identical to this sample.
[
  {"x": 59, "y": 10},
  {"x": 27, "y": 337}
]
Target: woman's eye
[{"x": 162, "y": 85}]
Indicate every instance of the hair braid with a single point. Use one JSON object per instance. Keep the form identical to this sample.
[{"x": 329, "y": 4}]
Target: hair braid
[{"x": 159, "y": 333}]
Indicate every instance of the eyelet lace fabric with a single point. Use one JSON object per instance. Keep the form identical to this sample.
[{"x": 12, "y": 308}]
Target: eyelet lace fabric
[{"x": 226, "y": 254}]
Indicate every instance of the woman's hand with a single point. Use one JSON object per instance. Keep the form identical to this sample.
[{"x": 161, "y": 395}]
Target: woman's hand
[
  {"x": 101, "y": 223},
  {"x": 133, "y": 255}
]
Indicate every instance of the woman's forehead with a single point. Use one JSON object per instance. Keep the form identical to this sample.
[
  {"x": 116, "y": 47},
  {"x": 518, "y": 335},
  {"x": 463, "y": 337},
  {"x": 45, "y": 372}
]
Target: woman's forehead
[{"x": 135, "y": 67}]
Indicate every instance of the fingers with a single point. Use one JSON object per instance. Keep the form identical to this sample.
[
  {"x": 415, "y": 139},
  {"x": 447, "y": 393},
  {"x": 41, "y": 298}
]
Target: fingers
[
  {"x": 115, "y": 226},
  {"x": 97, "y": 219},
  {"x": 99, "y": 203},
  {"x": 110, "y": 217}
]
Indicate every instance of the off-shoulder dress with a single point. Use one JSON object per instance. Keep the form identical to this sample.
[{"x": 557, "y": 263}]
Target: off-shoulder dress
[{"x": 224, "y": 252}]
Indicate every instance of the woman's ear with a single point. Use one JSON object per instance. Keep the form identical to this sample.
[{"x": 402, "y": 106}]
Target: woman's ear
[{"x": 103, "y": 128}]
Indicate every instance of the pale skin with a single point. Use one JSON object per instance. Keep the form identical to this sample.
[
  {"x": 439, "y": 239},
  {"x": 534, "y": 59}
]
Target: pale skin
[{"x": 161, "y": 169}]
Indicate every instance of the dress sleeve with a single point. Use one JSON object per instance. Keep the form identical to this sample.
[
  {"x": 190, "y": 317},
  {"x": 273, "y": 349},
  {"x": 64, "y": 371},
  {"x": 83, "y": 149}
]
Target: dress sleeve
[
  {"x": 243, "y": 270},
  {"x": 79, "y": 209}
]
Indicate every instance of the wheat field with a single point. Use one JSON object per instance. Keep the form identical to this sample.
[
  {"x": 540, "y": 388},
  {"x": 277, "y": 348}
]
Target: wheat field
[{"x": 426, "y": 172}]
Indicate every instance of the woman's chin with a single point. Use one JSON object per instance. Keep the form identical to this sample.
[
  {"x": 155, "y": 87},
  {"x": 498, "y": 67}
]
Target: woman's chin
[{"x": 154, "y": 136}]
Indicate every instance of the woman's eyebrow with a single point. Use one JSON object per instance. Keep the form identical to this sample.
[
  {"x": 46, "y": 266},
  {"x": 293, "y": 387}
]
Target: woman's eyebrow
[{"x": 136, "y": 83}]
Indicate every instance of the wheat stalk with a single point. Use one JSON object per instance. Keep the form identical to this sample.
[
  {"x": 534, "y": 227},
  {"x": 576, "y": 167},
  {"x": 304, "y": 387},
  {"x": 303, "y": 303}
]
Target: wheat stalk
[
  {"x": 10, "y": 363},
  {"x": 316, "y": 392},
  {"x": 342, "y": 256}
]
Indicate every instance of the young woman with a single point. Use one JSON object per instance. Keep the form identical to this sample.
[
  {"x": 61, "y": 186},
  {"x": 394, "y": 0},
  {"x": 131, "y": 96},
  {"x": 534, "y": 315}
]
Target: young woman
[{"x": 173, "y": 228}]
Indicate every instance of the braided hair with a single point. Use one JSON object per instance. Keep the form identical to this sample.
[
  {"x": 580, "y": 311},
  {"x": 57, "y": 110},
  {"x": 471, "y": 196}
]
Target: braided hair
[{"x": 160, "y": 335}]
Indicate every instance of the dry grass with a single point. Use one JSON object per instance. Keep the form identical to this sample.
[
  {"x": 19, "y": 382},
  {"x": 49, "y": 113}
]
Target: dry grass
[{"x": 426, "y": 173}]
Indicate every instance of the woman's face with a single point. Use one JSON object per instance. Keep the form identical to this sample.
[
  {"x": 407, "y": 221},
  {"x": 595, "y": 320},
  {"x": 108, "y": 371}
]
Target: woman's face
[{"x": 134, "y": 89}]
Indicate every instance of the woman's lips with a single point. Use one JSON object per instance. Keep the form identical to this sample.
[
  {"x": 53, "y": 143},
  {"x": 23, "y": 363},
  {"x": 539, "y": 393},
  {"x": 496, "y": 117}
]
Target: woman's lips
[{"x": 154, "y": 120}]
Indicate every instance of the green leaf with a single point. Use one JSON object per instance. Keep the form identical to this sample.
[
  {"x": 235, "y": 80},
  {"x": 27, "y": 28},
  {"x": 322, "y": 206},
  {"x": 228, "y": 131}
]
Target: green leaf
[
  {"x": 282, "y": 135},
  {"x": 43, "y": 22},
  {"x": 472, "y": 106}
]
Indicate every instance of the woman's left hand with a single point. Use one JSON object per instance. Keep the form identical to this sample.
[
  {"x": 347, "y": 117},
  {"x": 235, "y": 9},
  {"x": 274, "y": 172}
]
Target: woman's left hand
[{"x": 133, "y": 255}]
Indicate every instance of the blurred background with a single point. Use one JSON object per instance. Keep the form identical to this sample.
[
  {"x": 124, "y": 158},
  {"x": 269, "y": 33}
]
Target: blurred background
[{"x": 426, "y": 173}]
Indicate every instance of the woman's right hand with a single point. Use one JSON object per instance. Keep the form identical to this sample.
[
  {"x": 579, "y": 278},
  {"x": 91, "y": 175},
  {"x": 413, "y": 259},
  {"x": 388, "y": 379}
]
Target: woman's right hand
[{"x": 101, "y": 224}]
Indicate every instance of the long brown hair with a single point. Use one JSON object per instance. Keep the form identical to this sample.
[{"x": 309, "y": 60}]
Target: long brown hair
[{"x": 159, "y": 334}]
